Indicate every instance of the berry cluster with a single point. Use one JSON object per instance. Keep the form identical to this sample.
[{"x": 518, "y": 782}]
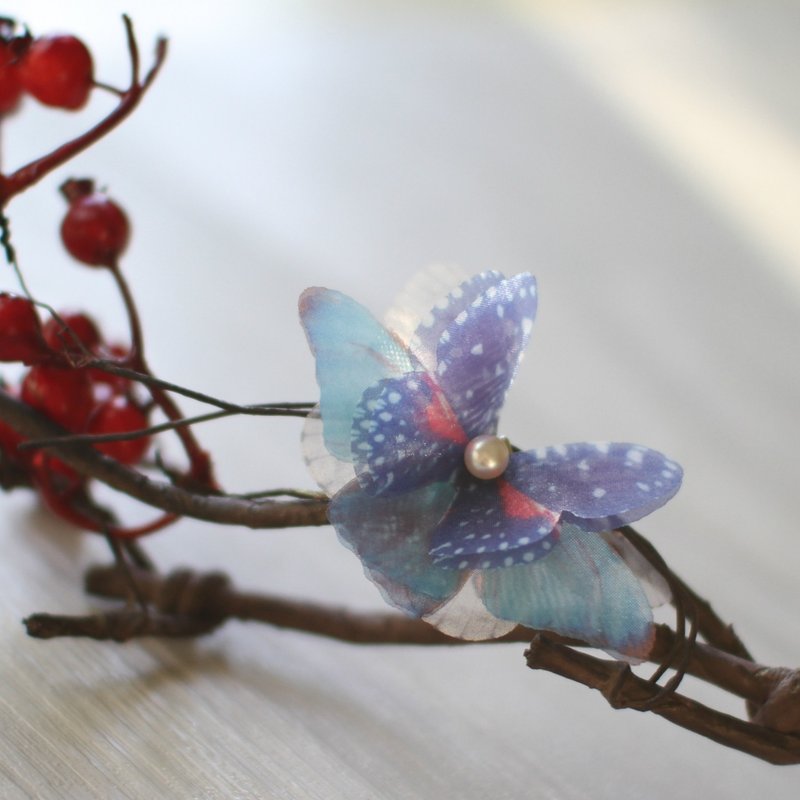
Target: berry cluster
[
  {"x": 61, "y": 380},
  {"x": 56, "y": 70},
  {"x": 67, "y": 376},
  {"x": 81, "y": 399},
  {"x": 92, "y": 388}
]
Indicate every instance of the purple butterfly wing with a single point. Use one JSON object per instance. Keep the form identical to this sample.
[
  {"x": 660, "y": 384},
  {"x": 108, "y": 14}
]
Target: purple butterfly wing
[
  {"x": 490, "y": 524},
  {"x": 429, "y": 332},
  {"x": 478, "y": 353},
  {"x": 405, "y": 436},
  {"x": 599, "y": 486}
]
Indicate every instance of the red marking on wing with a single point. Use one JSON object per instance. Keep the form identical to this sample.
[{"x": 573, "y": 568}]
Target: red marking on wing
[
  {"x": 520, "y": 506},
  {"x": 440, "y": 418}
]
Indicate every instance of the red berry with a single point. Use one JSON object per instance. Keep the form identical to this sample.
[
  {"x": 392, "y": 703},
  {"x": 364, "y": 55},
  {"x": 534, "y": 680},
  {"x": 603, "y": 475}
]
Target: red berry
[
  {"x": 117, "y": 383},
  {"x": 64, "y": 395},
  {"x": 61, "y": 338},
  {"x": 95, "y": 230},
  {"x": 20, "y": 330},
  {"x": 59, "y": 487},
  {"x": 120, "y": 415},
  {"x": 9, "y": 439},
  {"x": 55, "y": 471},
  {"x": 10, "y": 87},
  {"x": 57, "y": 70}
]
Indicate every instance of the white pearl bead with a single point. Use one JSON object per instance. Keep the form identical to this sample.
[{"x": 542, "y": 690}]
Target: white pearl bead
[{"x": 487, "y": 457}]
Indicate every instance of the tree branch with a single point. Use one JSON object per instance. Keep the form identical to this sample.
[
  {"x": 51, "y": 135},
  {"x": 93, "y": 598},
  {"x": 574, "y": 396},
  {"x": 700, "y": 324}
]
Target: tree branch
[
  {"x": 228, "y": 510},
  {"x": 622, "y": 689},
  {"x": 205, "y": 601},
  {"x": 184, "y": 604}
]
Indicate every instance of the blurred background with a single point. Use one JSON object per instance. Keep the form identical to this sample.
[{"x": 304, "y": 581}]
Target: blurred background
[{"x": 641, "y": 158}]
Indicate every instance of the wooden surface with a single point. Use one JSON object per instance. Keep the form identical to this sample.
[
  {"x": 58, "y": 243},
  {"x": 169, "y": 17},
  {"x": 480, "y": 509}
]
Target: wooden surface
[{"x": 349, "y": 144}]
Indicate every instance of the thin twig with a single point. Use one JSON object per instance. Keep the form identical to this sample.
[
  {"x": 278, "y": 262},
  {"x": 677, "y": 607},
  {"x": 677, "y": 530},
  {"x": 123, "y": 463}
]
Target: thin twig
[
  {"x": 256, "y": 409},
  {"x": 152, "y": 430},
  {"x": 26, "y": 176}
]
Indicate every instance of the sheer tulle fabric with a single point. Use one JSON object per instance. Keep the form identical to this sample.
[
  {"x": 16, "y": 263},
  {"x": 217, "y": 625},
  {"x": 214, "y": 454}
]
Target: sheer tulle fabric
[{"x": 473, "y": 557}]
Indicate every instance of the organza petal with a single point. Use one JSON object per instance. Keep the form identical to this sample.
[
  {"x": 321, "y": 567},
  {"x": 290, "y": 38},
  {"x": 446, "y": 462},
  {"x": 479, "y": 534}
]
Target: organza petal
[
  {"x": 464, "y": 616},
  {"x": 405, "y": 435},
  {"x": 413, "y": 303},
  {"x": 491, "y": 524},
  {"x": 474, "y": 557},
  {"x": 443, "y": 305},
  {"x": 653, "y": 583},
  {"x": 478, "y": 353},
  {"x": 353, "y": 351},
  {"x": 391, "y": 536},
  {"x": 330, "y": 473},
  {"x": 600, "y": 486},
  {"x": 582, "y": 589}
]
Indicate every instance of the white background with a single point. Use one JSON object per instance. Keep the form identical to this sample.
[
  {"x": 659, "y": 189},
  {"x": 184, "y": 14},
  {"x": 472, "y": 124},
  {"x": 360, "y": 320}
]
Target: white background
[{"x": 642, "y": 159}]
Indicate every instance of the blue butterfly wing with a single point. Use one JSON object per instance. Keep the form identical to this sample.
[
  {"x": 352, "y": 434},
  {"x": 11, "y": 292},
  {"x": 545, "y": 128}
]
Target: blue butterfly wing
[
  {"x": 582, "y": 589},
  {"x": 599, "y": 486},
  {"x": 353, "y": 351},
  {"x": 464, "y": 615},
  {"x": 391, "y": 536},
  {"x": 478, "y": 353}
]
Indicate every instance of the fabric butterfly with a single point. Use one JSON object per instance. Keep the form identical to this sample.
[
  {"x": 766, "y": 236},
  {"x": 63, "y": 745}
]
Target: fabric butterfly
[{"x": 451, "y": 524}]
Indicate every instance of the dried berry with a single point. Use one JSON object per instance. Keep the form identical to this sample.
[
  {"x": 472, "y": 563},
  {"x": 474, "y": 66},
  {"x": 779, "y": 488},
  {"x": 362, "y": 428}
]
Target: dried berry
[
  {"x": 57, "y": 70},
  {"x": 64, "y": 395},
  {"x": 54, "y": 471},
  {"x": 77, "y": 329},
  {"x": 120, "y": 415},
  {"x": 115, "y": 384},
  {"x": 9, "y": 439},
  {"x": 95, "y": 230},
  {"x": 10, "y": 87},
  {"x": 20, "y": 330}
]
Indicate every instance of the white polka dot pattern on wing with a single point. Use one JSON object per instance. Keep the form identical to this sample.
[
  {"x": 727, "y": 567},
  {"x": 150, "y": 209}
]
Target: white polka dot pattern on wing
[
  {"x": 462, "y": 537},
  {"x": 395, "y": 450},
  {"x": 477, "y": 359},
  {"x": 414, "y": 514},
  {"x": 445, "y": 311},
  {"x": 600, "y": 486}
]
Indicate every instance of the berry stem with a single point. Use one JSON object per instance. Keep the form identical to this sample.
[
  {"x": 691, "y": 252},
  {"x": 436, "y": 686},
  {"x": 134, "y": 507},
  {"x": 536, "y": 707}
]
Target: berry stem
[
  {"x": 134, "y": 323},
  {"x": 152, "y": 430},
  {"x": 26, "y": 176},
  {"x": 90, "y": 517},
  {"x": 200, "y": 469},
  {"x": 259, "y": 409},
  {"x": 107, "y": 87},
  {"x": 132, "y": 533}
]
